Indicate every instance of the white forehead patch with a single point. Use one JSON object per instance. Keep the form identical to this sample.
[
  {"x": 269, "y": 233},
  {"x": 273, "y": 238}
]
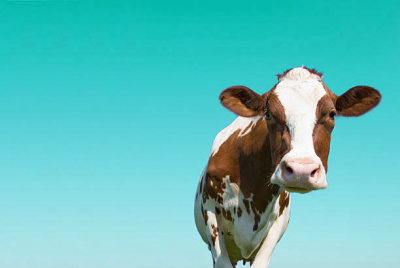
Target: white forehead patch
[
  {"x": 299, "y": 92},
  {"x": 300, "y": 74}
]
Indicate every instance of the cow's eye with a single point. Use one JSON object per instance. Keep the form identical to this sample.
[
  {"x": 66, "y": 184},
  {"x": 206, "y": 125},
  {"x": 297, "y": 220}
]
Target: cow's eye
[
  {"x": 268, "y": 115},
  {"x": 332, "y": 114}
]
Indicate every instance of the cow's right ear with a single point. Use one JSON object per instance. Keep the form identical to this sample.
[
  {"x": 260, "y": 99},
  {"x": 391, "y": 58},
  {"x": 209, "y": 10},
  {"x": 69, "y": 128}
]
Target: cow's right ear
[
  {"x": 242, "y": 101},
  {"x": 357, "y": 101}
]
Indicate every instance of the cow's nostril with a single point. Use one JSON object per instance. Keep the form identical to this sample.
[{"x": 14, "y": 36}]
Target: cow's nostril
[
  {"x": 289, "y": 169},
  {"x": 313, "y": 172}
]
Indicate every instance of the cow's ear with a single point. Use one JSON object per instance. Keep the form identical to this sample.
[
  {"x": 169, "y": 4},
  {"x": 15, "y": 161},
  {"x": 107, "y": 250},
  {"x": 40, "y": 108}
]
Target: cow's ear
[
  {"x": 242, "y": 101},
  {"x": 357, "y": 101}
]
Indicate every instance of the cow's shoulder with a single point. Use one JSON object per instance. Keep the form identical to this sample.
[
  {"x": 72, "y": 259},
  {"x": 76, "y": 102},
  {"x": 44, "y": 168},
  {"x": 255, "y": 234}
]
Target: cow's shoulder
[{"x": 239, "y": 144}]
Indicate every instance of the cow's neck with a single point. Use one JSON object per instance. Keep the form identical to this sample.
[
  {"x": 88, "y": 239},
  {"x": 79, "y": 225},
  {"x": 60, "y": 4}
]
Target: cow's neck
[
  {"x": 242, "y": 153},
  {"x": 255, "y": 169}
]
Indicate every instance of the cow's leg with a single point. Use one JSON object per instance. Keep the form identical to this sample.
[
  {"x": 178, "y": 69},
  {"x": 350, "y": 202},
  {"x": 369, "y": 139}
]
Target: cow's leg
[
  {"x": 216, "y": 241},
  {"x": 263, "y": 256}
]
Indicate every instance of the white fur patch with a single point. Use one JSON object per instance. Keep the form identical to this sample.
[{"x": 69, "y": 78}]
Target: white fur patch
[
  {"x": 278, "y": 227},
  {"x": 299, "y": 92},
  {"x": 230, "y": 194},
  {"x": 300, "y": 74}
]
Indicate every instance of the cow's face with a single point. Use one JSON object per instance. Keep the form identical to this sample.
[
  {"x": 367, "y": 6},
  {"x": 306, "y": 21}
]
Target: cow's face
[{"x": 300, "y": 114}]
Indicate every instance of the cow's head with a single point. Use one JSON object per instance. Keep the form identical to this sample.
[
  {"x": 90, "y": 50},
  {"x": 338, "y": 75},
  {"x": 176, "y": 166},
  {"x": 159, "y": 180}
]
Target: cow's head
[{"x": 300, "y": 113}]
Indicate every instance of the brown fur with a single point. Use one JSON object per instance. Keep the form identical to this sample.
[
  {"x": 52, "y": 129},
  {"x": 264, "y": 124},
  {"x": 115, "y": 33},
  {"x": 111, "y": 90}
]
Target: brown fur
[
  {"x": 279, "y": 135},
  {"x": 220, "y": 165},
  {"x": 323, "y": 129},
  {"x": 214, "y": 234},
  {"x": 205, "y": 216},
  {"x": 247, "y": 161},
  {"x": 239, "y": 212},
  {"x": 227, "y": 214},
  {"x": 357, "y": 101},
  {"x": 284, "y": 198},
  {"x": 247, "y": 205},
  {"x": 217, "y": 211}
]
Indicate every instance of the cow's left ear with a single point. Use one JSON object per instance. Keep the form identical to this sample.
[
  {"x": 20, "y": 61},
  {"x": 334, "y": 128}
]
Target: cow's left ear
[
  {"x": 242, "y": 101},
  {"x": 357, "y": 101}
]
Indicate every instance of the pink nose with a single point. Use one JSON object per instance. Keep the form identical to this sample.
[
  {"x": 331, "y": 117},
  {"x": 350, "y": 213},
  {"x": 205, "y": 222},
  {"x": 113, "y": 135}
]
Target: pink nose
[{"x": 300, "y": 173}]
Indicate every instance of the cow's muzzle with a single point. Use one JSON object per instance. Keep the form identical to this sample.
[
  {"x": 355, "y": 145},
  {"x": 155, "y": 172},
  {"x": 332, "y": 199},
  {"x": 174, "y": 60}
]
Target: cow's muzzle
[{"x": 300, "y": 175}]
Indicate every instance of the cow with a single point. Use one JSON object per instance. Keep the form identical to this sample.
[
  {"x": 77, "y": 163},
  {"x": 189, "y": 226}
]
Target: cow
[{"x": 279, "y": 144}]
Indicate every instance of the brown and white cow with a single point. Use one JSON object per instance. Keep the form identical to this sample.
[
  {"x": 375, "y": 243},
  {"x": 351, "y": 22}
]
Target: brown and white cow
[{"x": 278, "y": 144}]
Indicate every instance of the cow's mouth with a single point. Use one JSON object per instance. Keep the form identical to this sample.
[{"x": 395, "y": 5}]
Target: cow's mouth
[{"x": 296, "y": 190}]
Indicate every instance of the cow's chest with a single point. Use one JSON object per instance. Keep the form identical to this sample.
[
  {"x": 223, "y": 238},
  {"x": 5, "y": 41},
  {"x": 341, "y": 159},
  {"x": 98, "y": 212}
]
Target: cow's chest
[{"x": 243, "y": 226}]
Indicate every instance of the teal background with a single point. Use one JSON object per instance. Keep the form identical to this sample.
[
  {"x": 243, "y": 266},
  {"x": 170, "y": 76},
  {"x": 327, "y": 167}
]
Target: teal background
[{"x": 108, "y": 110}]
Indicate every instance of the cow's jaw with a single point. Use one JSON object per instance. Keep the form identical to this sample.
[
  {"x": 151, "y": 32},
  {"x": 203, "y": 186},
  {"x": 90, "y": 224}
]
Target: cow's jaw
[{"x": 300, "y": 170}]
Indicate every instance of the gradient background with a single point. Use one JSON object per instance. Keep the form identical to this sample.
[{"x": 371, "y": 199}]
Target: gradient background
[{"x": 108, "y": 110}]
